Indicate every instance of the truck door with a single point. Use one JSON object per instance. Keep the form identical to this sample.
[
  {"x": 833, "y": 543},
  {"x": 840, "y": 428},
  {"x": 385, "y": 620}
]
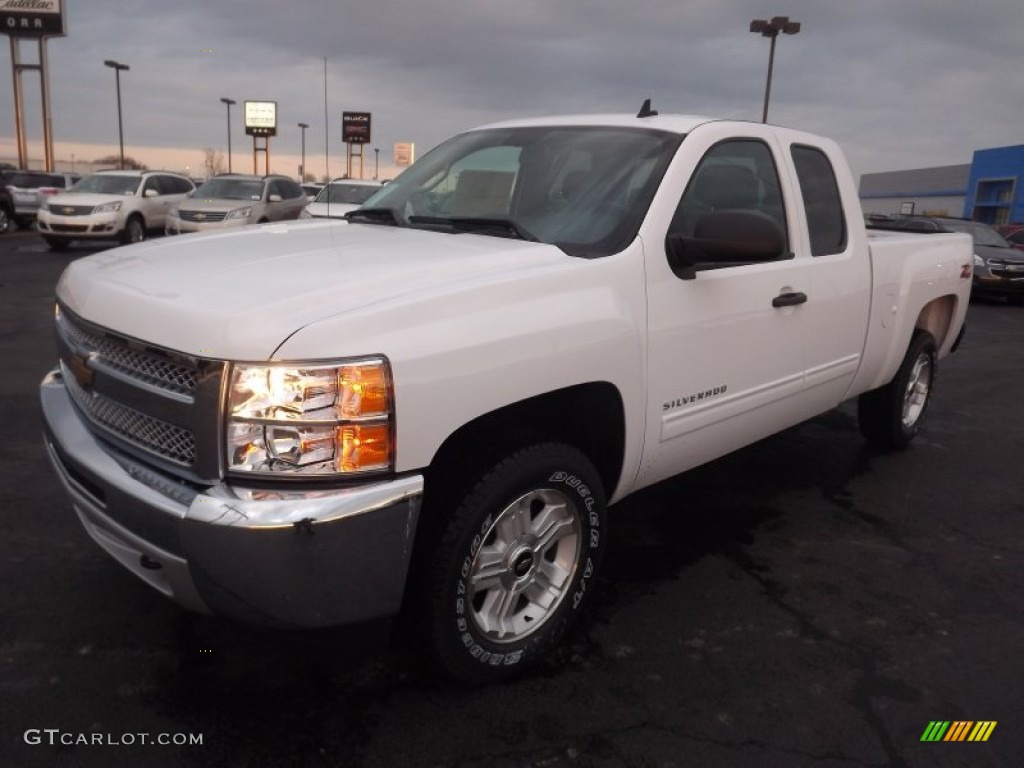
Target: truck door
[
  {"x": 725, "y": 349},
  {"x": 839, "y": 299}
]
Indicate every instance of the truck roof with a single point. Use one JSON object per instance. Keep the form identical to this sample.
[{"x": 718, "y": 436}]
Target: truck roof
[{"x": 671, "y": 123}]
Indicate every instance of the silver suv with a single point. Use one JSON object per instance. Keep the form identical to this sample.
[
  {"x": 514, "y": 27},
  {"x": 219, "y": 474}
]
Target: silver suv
[
  {"x": 28, "y": 189},
  {"x": 107, "y": 205},
  {"x": 234, "y": 199}
]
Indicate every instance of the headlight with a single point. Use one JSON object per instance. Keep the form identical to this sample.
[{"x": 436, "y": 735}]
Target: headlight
[
  {"x": 240, "y": 213},
  {"x": 108, "y": 207},
  {"x": 978, "y": 261},
  {"x": 311, "y": 419},
  {"x": 44, "y": 206}
]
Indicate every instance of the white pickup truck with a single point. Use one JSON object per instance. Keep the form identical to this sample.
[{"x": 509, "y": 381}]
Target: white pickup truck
[{"x": 428, "y": 407}]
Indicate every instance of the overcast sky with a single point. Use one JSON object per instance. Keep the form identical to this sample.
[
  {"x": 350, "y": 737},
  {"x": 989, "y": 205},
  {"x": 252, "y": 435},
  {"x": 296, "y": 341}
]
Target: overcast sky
[{"x": 899, "y": 83}]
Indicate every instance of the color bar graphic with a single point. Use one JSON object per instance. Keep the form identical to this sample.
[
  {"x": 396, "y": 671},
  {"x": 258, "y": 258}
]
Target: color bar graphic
[{"x": 958, "y": 730}]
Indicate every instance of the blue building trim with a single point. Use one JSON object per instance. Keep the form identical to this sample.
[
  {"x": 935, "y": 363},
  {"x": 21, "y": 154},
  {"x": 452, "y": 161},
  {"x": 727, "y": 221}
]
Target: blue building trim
[
  {"x": 908, "y": 193},
  {"x": 995, "y": 189}
]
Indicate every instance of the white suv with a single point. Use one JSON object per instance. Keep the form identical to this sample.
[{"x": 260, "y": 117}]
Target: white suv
[{"x": 106, "y": 205}]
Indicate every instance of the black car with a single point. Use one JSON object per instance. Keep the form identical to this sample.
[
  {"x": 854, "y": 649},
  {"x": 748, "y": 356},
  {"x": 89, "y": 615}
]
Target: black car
[{"x": 998, "y": 266}]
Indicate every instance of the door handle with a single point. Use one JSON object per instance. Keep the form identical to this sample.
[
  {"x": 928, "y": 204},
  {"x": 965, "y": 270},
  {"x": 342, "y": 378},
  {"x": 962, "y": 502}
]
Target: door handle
[{"x": 789, "y": 299}]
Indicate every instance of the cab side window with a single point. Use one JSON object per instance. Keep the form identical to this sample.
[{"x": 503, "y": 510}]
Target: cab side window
[
  {"x": 736, "y": 175},
  {"x": 826, "y": 221},
  {"x": 175, "y": 185},
  {"x": 153, "y": 182},
  {"x": 275, "y": 187}
]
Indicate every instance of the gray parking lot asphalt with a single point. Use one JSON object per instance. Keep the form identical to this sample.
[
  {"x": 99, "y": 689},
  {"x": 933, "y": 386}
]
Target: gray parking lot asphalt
[{"x": 804, "y": 602}]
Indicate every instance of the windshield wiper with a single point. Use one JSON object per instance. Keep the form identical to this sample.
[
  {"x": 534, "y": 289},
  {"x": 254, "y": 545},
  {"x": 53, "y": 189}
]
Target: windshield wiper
[
  {"x": 481, "y": 225},
  {"x": 376, "y": 216}
]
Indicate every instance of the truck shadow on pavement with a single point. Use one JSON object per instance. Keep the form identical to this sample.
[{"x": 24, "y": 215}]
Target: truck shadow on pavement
[{"x": 290, "y": 684}]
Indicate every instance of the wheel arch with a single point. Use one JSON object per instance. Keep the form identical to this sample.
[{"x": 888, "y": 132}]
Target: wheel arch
[
  {"x": 590, "y": 417},
  {"x": 936, "y": 317}
]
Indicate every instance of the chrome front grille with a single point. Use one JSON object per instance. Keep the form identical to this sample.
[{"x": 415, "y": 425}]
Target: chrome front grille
[
  {"x": 154, "y": 370},
  {"x": 160, "y": 405},
  {"x": 146, "y": 432},
  {"x": 72, "y": 210},
  {"x": 202, "y": 216}
]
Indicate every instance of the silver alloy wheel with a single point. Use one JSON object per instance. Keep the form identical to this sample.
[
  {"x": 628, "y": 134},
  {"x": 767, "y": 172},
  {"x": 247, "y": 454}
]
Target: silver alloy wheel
[
  {"x": 524, "y": 565},
  {"x": 919, "y": 385}
]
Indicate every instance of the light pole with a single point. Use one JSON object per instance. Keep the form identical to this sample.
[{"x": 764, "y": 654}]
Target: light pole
[
  {"x": 228, "y": 102},
  {"x": 771, "y": 29},
  {"x": 376, "y": 163},
  {"x": 117, "y": 67},
  {"x": 302, "y": 168}
]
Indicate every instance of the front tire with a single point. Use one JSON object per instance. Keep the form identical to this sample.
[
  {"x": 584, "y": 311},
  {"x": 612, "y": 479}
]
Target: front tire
[
  {"x": 515, "y": 563},
  {"x": 57, "y": 243},
  {"x": 891, "y": 416},
  {"x": 134, "y": 230},
  {"x": 5, "y": 220}
]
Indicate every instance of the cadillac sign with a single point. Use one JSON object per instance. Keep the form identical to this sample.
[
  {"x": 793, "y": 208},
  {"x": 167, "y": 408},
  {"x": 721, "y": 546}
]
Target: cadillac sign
[{"x": 32, "y": 18}]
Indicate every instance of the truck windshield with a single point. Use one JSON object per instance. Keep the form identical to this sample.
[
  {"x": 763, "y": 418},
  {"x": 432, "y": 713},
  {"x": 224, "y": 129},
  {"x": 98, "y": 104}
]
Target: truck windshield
[{"x": 583, "y": 189}]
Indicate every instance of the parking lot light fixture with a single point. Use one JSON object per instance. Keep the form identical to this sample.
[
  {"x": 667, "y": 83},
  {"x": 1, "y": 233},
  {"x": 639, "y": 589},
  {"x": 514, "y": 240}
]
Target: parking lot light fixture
[
  {"x": 228, "y": 102},
  {"x": 117, "y": 67},
  {"x": 772, "y": 29}
]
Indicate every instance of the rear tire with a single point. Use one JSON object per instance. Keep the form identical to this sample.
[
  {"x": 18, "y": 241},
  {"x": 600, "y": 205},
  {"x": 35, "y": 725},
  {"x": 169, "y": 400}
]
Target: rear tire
[
  {"x": 891, "y": 416},
  {"x": 5, "y": 220},
  {"x": 514, "y": 565}
]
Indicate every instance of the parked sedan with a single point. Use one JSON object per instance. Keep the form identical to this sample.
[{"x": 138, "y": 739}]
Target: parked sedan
[
  {"x": 998, "y": 266},
  {"x": 28, "y": 189},
  {"x": 339, "y": 197},
  {"x": 233, "y": 200}
]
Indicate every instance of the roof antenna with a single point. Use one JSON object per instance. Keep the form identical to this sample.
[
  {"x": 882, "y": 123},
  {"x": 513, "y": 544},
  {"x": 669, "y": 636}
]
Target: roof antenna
[{"x": 646, "y": 111}]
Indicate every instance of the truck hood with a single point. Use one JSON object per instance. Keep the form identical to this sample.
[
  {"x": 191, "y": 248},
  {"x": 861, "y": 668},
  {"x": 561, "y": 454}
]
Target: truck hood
[{"x": 238, "y": 294}]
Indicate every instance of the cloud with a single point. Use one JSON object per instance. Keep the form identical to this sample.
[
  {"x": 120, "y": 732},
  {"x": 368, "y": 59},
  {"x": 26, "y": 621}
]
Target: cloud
[{"x": 899, "y": 85}]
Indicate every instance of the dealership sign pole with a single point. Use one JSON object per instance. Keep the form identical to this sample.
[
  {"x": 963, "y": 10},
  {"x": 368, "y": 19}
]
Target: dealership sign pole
[{"x": 37, "y": 19}]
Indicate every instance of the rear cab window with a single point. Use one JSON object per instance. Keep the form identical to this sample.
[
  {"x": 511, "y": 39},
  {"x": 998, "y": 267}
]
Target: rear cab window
[{"x": 826, "y": 220}]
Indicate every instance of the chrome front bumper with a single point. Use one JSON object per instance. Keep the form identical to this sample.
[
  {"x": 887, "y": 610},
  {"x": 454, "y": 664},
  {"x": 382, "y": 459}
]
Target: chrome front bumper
[{"x": 297, "y": 558}]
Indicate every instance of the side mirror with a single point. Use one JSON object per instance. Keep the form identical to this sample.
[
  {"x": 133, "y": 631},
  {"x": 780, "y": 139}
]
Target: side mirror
[
  {"x": 150, "y": 193},
  {"x": 725, "y": 239},
  {"x": 275, "y": 198}
]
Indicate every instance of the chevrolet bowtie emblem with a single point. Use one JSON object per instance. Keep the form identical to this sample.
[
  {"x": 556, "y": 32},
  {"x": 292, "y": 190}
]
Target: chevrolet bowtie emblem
[
  {"x": 80, "y": 369},
  {"x": 68, "y": 211},
  {"x": 200, "y": 216}
]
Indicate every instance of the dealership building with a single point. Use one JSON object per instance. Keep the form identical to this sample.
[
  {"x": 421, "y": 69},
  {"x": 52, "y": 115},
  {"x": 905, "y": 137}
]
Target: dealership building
[{"x": 990, "y": 189}]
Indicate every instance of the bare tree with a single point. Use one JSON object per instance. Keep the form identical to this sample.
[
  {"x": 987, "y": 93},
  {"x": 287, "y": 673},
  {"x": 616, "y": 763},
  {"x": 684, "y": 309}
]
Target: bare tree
[
  {"x": 213, "y": 161},
  {"x": 115, "y": 160}
]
